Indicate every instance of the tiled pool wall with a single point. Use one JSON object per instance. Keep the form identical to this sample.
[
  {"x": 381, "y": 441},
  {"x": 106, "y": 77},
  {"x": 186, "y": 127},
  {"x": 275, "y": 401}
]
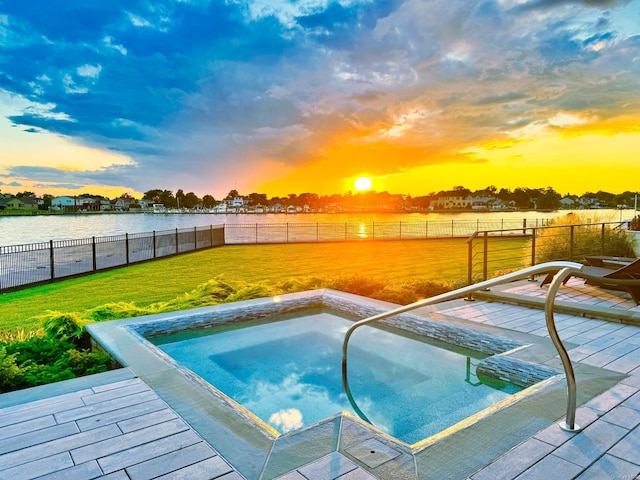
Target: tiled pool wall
[{"x": 498, "y": 365}]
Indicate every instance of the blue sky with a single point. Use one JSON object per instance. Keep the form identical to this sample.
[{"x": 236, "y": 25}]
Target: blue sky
[{"x": 113, "y": 96}]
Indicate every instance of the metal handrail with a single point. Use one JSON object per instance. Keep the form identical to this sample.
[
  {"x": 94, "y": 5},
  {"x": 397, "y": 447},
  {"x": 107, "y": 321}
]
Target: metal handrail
[{"x": 562, "y": 269}]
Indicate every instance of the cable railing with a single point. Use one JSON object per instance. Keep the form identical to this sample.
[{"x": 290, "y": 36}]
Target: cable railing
[
  {"x": 562, "y": 271},
  {"x": 493, "y": 251}
]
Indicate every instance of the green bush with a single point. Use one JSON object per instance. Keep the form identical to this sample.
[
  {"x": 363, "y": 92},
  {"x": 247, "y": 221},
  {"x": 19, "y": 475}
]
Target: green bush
[
  {"x": 42, "y": 360},
  {"x": 634, "y": 224},
  {"x": 573, "y": 237}
]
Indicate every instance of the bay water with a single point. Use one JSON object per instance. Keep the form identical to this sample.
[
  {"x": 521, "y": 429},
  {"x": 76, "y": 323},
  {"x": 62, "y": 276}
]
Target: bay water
[{"x": 21, "y": 230}]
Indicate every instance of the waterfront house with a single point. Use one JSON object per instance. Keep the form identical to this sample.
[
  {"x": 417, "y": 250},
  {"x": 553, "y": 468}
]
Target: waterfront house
[
  {"x": 453, "y": 199},
  {"x": 64, "y": 202},
  {"x": 23, "y": 203}
]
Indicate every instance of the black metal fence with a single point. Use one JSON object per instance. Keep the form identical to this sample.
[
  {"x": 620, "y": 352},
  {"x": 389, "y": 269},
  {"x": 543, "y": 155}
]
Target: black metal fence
[
  {"x": 27, "y": 265},
  {"x": 36, "y": 263}
]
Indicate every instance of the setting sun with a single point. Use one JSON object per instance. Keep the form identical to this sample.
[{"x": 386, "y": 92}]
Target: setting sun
[{"x": 362, "y": 183}]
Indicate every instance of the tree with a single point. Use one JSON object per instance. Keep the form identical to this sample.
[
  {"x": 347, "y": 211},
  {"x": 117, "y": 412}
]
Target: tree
[
  {"x": 152, "y": 195},
  {"x": 180, "y": 198},
  {"x": 549, "y": 200},
  {"x": 191, "y": 200},
  {"x": 25, "y": 194},
  {"x": 167, "y": 199},
  {"x": 208, "y": 201},
  {"x": 232, "y": 194},
  {"x": 255, "y": 199}
]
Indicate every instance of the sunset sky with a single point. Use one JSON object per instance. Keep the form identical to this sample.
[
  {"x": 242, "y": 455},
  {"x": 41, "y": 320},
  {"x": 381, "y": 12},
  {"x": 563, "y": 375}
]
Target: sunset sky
[{"x": 278, "y": 97}]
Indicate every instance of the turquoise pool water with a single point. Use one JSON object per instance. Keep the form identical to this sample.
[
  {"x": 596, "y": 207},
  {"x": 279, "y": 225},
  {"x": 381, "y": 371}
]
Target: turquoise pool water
[{"x": 288, "y": 373}]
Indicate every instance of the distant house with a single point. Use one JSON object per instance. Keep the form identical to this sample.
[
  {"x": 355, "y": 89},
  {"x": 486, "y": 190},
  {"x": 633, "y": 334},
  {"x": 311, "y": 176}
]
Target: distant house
[
  {"x": 63, "y": 203},
  {"x": 121, "y": 205},
  {"x": 454, "y": 199},
  {"x": 105, "y": 204},
  {"x": 568, "y": 201},
  {"x": 24, "y": 203}
]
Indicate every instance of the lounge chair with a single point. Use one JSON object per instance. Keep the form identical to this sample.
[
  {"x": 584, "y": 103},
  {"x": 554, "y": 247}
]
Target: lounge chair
[
  {"x": 607, "y": 261},
  {"x": 625, "y": 278}
]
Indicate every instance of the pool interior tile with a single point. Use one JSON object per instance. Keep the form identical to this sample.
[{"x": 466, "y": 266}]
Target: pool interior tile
[{"x": 372, "y": 452}]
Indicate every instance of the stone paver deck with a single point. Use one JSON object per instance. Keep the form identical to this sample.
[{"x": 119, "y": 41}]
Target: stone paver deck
[{"x": 123, "y": 430}]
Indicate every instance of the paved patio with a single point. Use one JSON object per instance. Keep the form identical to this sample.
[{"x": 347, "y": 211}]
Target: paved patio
[{"x": 115, "y": 426}]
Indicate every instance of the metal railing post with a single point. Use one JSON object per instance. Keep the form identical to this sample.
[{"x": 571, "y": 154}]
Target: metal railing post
[
  {"x": 570, "y": 422},
  {"x": 485, "y": 256},
  {"x": 534, "y": 232},
  {"x": 126, "y": 246},
  {"x": 571, "y": 235}
]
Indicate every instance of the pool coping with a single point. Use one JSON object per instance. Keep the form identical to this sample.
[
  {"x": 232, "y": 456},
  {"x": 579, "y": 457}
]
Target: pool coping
[{"x": 259, "y": 453}]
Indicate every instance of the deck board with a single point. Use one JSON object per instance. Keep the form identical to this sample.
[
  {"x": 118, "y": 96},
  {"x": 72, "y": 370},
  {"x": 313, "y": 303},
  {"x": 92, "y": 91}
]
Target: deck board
[{"x": 121, "y": 430}]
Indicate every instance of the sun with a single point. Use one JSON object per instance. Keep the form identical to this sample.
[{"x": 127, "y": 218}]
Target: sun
[{"x": 363, "y": 184}]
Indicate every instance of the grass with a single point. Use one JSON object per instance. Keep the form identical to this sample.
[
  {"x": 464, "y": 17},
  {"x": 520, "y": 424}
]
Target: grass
[{"x": 163, "y": 280}]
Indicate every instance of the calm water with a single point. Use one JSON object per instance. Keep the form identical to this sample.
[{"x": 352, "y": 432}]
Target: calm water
[
  {"x": 42, "y": 228},
  {"x": 288, "y": 373}
]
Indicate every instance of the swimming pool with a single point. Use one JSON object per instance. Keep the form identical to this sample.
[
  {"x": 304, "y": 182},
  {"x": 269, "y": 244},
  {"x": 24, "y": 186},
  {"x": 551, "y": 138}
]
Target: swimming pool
[
  {"x": 288, "y": 373},
  {"x": 259, "y": 451}
]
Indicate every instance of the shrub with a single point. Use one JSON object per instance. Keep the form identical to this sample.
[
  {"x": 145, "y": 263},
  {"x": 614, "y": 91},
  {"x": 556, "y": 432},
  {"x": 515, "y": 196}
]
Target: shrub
[
  {"x": 588, "y": 239},
  {"x": 42, "y": 360},
  {"x": 634, "y": 224},
  {"x": 9, "y": 370}
]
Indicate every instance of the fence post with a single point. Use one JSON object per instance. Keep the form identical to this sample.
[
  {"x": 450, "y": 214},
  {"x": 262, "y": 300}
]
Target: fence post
[
  {"x": 401, "y": 230},
  {"x": 426, "y": 229},
  {"x": 52, "y": 262},
  {"x": 602, "y": 240},
  {"x": 524, "y": 226},
  {"x": 470, "y": 262},
  {"x": 485, "y": 256},
  {"x": 211, "y": 236},
  {"x": 373, "y": 230},
  {"x": 154, "y": 244},
  {"x": 452, "y": 228},
  {"x": 317, "y": 232},
  {"x": 126, "y": 245},
  {"x": 534, "y": 233},
  {"x": 256, "y": 232},
  {"x": 177, "y": 240},
  {"x": 571, "y": 243},
  {"x": 345, "y": 231},
  {"x": 195, "y": 238},
  {"x": 287, "y": 232},
  {"x": 93, "y": 252}
]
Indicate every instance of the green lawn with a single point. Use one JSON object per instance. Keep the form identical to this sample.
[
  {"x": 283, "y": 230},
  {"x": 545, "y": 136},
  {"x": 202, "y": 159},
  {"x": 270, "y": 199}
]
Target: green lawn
[{"x": 162, "y": 280}]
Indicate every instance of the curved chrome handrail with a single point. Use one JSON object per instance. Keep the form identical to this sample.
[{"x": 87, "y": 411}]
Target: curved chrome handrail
[{"x": 562, "y": 269}]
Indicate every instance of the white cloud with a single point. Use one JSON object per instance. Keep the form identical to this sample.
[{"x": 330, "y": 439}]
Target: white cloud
[
  {"x": 91, "y": 71},
  {"x": 287, "y": 419}
]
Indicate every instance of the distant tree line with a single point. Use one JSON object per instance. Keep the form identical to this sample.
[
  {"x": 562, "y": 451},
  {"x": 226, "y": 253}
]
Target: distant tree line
[{"x": 521, "y": 197}]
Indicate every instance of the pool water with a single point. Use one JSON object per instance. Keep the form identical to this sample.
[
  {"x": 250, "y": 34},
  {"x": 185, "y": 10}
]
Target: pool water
[{"x": 288, "y": 373}]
